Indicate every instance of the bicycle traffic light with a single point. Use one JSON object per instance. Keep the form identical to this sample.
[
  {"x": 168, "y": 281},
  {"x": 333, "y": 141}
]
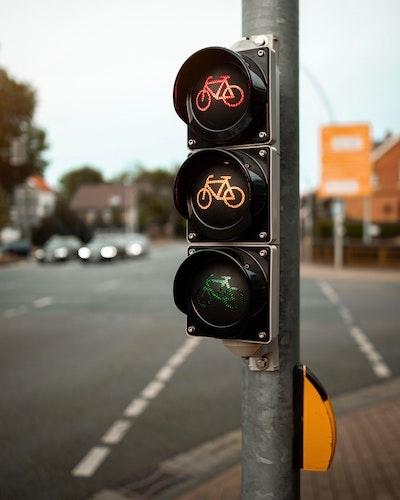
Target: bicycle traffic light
[
  {"x": 228, "y": 191},
  {"x": 228, "y": 97}
]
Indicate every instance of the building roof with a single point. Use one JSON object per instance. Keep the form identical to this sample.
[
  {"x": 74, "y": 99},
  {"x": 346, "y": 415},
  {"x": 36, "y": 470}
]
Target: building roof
[
  {"x": 99, "y": 196},
  {"x": 385, "y": 147},
  {"x": 38, "y": 182}
]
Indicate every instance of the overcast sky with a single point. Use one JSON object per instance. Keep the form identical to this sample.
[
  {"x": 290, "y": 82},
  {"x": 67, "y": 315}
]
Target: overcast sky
[{"x": 104, "y": 72}]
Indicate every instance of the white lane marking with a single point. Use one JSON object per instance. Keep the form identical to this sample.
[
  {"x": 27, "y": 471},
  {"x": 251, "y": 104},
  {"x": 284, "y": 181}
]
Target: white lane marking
[
  {"x": 106, "y": 286},
  {"x": 116, "y": 432},
  {"x": 10, "y": 313},
  {"x": 165, "y": 373},
  {"x": 91, "y": 462},
  {"x": 329, "y": 292},
  {"x": 379, "y": 367},
  {"x": 43, "y": 302},
  {"x": 136, "y": 407},
  {"x": 23, "y": 309},
  {"x": 346, "y": 315},
  {"x": 152, "y": 390}
]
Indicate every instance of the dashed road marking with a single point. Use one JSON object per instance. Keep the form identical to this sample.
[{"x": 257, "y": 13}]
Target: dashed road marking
[
  {"x": 379, "y": 367},
  {"x": 136, "y": 407},
  {"x": 116, "y": 432},
  {"x": 91, "y": 461},
  {"x": 23, "y": 309},
  {"x": 96, "y": 456},
  {"x": 10, "y": 313},
  {"x": 43, "y": 302}
]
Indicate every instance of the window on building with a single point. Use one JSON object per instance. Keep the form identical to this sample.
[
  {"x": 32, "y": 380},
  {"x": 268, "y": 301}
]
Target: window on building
[{"x": 387, "y": 209}]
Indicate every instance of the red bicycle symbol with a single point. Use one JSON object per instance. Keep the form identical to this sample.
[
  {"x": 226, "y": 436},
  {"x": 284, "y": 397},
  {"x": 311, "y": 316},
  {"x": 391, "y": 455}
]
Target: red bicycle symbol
[{"x": 231, "y": 95}]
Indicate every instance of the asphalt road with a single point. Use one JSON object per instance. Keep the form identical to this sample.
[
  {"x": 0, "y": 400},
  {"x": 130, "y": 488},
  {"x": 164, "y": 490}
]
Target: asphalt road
[{"x": 82, "y": 346}]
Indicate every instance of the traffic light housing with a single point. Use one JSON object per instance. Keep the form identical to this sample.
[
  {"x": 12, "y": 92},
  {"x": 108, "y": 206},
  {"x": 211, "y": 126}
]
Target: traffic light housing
[
  {"x": 224, "y": 290},
  {"x": 228, "y": 191},
  {"x": 227, "y": 97},
  {"x": 230, "y": 195}
]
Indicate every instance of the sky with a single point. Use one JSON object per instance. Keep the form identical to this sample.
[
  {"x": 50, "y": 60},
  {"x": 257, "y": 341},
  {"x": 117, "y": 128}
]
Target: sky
[{"x": 104, "y": 72}]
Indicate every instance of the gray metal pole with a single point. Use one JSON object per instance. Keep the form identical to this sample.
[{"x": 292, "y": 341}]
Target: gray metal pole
[
  {"x": 338, "y": 233},
  {"x": 267, "y": 397},
  {"x": 367, "y": 239}
]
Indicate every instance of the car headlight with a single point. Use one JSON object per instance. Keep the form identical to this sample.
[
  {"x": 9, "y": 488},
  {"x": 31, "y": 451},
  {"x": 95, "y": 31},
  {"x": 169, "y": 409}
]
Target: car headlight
[
  {"x": 108, "y": 252},
  {"x": 39, "y": 254},
  {"x": 134, "y": 249},
  {"x": 61, "y": 253},
  {"x": 84, "y": 252}
]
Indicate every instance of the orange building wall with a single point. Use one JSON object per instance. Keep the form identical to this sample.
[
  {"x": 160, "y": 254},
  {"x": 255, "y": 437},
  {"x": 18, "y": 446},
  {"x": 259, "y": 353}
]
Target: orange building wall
[{"x": 386, "y": 194}]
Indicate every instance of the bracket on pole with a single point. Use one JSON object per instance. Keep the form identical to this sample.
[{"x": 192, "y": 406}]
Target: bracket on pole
[{"x": 261, "y": 357}]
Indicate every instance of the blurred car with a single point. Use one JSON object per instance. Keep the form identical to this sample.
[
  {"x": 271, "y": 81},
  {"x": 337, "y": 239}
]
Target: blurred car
[
  {"x": 20, "y": 248},
  {"x": 102, "y": 248},
  {"x": 134, "y": 245},
  {"x": 58, "y": 249}
]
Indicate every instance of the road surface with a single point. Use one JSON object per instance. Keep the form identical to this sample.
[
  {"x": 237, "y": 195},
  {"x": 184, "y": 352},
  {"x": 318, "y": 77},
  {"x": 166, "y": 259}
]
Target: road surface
[{"x": 100, "y": 383}]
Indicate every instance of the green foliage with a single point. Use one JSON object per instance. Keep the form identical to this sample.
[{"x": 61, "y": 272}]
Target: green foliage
[
  {"x": 63, "y": 221},
  {"x": 17, "y": 106},
  {"x": 353, "y": 229},
  {"x": 323, "y": 228},
  {"x": 156, "y": 205},
  {"x": 72, "y": 180},
  {"x": 390, "y": 230}
]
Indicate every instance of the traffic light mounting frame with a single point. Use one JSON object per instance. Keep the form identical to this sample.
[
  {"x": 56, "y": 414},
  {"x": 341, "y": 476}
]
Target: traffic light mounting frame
[{"x": 261, "y": 356}]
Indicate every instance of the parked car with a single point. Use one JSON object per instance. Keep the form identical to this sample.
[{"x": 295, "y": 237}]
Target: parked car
[
  {"x": 20, "y": 248},
  {"x": 135, "y": 245},
  {"x": 58, "y": 249},
  {"x": 103, "y": 247}
]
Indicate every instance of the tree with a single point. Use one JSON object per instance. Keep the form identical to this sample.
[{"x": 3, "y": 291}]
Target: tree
[
  {"x": 17, "y": 106},
  {"x": 4, "y": 216},
  {"x": 156, "y": 205},
  {"x": 63, "y": 221},
  {"x": 72, "y": 180}
]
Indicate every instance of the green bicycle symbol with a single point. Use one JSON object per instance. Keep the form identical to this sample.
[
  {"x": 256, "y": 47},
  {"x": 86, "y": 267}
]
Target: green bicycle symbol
[{"x": 216, "y": 289}]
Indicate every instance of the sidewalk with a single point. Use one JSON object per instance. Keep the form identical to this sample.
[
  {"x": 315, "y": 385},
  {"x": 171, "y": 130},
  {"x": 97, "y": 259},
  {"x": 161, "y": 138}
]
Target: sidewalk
[
  {"x": 367, "y": 460},
  {"x": 346, "y": 273},
  {"x": 366, "y": 464}
]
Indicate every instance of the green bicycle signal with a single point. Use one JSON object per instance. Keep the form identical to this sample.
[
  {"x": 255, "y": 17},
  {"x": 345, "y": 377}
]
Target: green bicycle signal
[{"x": 215, "y": 289}]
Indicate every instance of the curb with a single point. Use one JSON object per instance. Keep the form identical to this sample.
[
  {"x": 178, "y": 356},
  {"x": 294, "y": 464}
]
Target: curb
[{"x": 186, "y": 471}]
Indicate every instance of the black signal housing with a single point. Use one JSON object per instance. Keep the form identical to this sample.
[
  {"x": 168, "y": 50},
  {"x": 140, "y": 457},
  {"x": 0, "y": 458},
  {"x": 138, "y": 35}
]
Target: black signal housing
[
  {"x": 225, "y": 97},
  {"x": 227, "y": 195},
  {"x": 222, "y": 305}
]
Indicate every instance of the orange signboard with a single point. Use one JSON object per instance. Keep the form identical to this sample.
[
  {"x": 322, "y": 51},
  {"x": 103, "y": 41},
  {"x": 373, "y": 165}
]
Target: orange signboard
[{"x": 346, "y": 166}]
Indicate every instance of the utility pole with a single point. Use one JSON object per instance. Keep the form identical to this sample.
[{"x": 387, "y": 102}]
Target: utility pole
[
  {"x": 338, "y": 233},
  {"x": 267, "y": 397}
]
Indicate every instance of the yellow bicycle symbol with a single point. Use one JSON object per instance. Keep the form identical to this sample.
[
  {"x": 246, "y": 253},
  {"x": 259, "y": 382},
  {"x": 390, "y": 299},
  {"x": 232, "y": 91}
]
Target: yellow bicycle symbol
[{"x": 232, "y": 196}]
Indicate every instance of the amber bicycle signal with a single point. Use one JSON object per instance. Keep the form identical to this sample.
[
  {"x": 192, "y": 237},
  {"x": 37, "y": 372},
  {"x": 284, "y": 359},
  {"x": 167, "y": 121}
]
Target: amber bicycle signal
[
  {"x": 231, "y": 95},
  {"x": 232, "y": 196}
]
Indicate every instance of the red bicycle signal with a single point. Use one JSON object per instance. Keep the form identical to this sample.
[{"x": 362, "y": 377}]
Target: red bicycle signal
[{"x": 231, "y": 95}]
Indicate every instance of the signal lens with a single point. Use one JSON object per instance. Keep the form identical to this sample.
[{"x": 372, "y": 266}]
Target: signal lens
[
  {"x": 220, "y": 294},
  {"x": 220, "y": 193},
  {"x": 220, "y": 97}
]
